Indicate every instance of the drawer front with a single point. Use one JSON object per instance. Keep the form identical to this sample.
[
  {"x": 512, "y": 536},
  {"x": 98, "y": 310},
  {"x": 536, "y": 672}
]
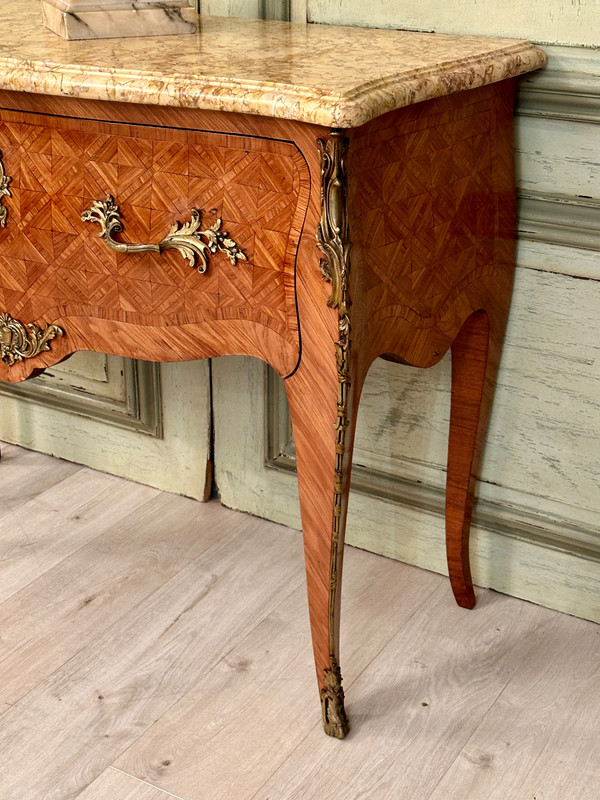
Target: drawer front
[{"x": 54, "y": 266}]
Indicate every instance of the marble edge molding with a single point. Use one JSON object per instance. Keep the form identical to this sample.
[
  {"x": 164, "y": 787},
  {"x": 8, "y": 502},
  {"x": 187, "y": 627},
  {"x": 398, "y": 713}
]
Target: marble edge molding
[{"x": 347, "y": 109}]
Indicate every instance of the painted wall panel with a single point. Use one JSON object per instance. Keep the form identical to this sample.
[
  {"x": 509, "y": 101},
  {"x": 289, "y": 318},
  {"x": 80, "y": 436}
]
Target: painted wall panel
[
  {"x": 569, "y": 22},
  {"x": 149, "y": 423},
  {"x": 557, "y": 153},
  {"x": 252, "y": 9},
  {"x": 543, "y": 445}
]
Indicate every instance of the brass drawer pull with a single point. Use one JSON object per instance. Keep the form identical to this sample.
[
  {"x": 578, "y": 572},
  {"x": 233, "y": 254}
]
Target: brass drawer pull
[
  {"x": 18, "y": 341},
  {"x": 4, "y": 190},
  {"x": 185, "y": 237}
]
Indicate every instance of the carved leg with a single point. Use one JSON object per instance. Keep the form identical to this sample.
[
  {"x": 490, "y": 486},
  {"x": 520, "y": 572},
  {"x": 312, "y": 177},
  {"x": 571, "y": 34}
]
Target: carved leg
[
  {"x": 474, "y": 366},
  {"x": 321, "y": 402}
]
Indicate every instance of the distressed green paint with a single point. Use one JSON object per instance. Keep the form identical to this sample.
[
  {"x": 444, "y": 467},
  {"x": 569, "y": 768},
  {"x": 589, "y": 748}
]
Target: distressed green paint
[{"x": 568, "y": 22}]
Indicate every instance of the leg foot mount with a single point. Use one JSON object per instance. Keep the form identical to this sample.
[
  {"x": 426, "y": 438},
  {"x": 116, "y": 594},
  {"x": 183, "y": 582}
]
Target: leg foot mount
[{"x": 335, "y": 722}]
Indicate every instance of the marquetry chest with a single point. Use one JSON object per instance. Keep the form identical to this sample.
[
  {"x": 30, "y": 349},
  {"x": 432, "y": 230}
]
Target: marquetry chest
[{"x": 347, "y": 195}]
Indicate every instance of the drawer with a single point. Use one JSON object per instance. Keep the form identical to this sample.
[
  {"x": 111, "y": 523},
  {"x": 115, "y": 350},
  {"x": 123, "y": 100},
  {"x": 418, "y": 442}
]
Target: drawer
[{"x": 54, "y": 266}]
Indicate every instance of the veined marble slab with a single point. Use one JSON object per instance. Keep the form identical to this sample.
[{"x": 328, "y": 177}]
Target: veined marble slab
[
  {"x": 328, "y": 75},
  {"x": 109, "y": 19}
]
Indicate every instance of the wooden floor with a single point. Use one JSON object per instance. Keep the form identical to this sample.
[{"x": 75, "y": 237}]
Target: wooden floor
[{"x": 154, "y": 647}]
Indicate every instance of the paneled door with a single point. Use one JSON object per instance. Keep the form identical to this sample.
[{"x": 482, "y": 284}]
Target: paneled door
[{"x": 147, "y": 422}]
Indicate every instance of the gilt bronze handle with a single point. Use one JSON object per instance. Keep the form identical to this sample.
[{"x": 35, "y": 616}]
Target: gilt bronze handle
[{"x": 194, "y": 244}]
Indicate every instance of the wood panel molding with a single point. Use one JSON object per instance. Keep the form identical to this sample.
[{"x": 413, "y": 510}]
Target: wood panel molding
[
  {"x": 140, "y": 410},
  {"x": 294, "y": 10},
  {"x": 581, "y": 103},
  {"x": 565, "y": 220},
  {"x": 568, "y": 91}
]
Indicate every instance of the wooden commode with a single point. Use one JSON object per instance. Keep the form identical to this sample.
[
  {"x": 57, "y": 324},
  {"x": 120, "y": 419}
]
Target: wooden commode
[{"x": 312, "y": 196}]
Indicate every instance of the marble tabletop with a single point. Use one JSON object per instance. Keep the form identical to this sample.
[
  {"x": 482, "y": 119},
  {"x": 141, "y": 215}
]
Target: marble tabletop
[{"x": 327, "y": 75}]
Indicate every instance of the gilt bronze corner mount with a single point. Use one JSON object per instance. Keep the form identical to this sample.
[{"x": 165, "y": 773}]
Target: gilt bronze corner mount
[
  {"x": 4, "y": 190},
  {"x": 19, "y": 341}
]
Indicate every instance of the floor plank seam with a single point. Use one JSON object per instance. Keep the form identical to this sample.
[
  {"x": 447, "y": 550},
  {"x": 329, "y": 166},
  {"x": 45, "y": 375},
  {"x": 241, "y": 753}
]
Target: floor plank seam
[
  {"x": 473, "y": 733},
  {"x": 214, "y": 665},
  {"x": 231, "y": 534},
  {"x": 147, "y": 783},
  {"x": 387, "y": 642},
  {"x": 204, "y": 675},
  {"x": 75, "y": 549},
  {"x": 318, "y": 725},
  {"x": 115, "y": 622},
  {"x": 468, "y": 736},
  {"x": 286, "y": 759}
]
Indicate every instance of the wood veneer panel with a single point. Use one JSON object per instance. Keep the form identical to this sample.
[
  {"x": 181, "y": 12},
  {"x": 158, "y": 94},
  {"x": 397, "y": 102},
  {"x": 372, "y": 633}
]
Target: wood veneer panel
[
  {"x": 432, "y": 207},
  {"x": 171, "y": 117}
]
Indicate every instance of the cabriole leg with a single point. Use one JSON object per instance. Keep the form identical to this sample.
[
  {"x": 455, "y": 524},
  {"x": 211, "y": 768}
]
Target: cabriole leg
[
  {"x": 474, "y": 367},
  {"x": 322, "y": 420}
]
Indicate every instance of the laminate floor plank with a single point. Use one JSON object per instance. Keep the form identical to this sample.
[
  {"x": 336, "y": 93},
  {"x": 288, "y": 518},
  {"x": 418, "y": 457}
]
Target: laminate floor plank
[
  {"x": 226, "y": 736},
  {"x": 59, "y": 613},
  {"x": 115, "y": 785},
  {"x": 540, "y": 739},
  {"x": 417, "y": 703},
  {"x": 43, "y": 531},
  {"x": 26, "y": 474},
  {"x": 58, "y": 738},
  {"x": 154, "y": 647}
]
